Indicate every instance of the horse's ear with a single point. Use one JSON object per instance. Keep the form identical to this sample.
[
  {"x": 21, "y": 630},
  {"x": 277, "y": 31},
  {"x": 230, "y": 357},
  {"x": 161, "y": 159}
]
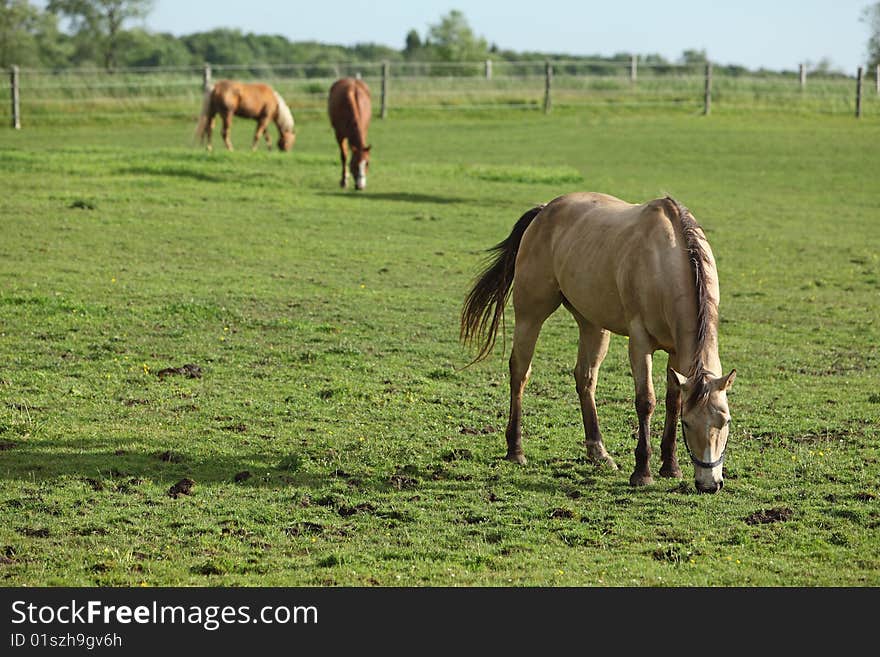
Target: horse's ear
[
  {"x": 367, "y": 148},
  {"x": 681, "y": 379},
  {"x": 725, "y": 382}
]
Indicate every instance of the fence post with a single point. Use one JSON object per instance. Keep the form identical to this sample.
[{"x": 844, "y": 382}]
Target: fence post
[
  {"x": 707, "y": 99},
  {"x": 16, "y": 108},
  {"x": 633, "y": 68},
  {"x": 548, "y": 73},
  {"x": 206, "y": 77},
  {"x": 859, "y": 93},
  {"x": 803, "y": 76},
  {"x": 488, "y": 69},
  {"x": 384, "y": 112}
]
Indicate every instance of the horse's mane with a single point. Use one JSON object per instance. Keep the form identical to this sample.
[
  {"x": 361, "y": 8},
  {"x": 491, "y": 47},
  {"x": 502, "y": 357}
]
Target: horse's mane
[
  {"x": 707, "y": 309},
  {"x": 284, "y": 118}
]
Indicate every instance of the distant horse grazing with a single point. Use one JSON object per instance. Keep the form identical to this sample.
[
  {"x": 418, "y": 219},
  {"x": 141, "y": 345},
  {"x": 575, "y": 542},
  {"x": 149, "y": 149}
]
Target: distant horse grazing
[
  {"x": 645, "y": 271},
  {"x": 350, "y": 111},
  {"x": 258, "y": 101}
]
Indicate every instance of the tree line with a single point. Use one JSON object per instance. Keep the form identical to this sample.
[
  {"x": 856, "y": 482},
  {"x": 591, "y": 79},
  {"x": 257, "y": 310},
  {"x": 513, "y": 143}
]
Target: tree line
[{"x": 97, "y": 36}]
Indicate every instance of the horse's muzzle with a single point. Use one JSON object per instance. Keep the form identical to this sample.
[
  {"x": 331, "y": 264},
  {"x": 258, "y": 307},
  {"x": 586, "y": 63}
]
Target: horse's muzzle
[{"x": 713, "y": 488}]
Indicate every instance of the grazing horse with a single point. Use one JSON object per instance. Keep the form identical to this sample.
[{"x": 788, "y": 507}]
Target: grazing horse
[
  {"x": 644, "y": 271},
  {"x": 258, "y": 101},
  {"x": 350, "y": 111}
]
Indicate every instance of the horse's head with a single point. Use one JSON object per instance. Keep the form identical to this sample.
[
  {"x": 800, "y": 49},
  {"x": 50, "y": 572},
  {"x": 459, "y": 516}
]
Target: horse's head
[
  {"x": 359, "y": 165},
  {"x": 285, "y": 141},
  {"x": 705, "y": 425}
]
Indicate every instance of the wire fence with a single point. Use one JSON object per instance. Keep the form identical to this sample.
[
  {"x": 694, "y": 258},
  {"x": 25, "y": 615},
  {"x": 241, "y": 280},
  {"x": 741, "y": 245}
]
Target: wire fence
[{"x": 38, "y": 96}]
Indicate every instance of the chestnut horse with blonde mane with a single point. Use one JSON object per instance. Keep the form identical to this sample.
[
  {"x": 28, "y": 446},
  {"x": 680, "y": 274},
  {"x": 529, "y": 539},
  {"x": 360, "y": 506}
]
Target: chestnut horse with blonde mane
[
  {"x": 643, "y": 271},
  {"x": 257, "y": 101},
  {"x": 350, "y": 111}
]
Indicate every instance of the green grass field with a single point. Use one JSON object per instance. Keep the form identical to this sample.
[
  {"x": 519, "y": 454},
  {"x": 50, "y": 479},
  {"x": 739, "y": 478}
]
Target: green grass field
[{"x": 333, "y": 437}]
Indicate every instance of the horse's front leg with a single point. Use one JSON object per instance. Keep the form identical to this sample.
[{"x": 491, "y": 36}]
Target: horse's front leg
[
  {"x": 262, "y": 124},
  {"x": 668, "y": 461},
  {"x": 640, "y": 355}
]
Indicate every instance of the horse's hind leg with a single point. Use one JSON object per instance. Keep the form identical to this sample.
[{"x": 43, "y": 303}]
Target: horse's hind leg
[
  {"x": 531, "y": 312},
  {"x": 343, "y": 156},
  {"x": 209, "y": 131},
  {"x": 227, "y": 127},
  {"x": 592, "y": 348}
]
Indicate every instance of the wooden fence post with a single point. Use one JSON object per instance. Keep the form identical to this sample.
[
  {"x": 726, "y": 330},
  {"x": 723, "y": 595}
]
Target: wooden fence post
[
  {"x": 16, "y": 107},
  {"x": 548, "y": 77},
  {"x": 859, "y": 93},
  {"x": 384, "y": 111},
  {"x": 488, "y": 69},
  {"x": 707, "y": 96},
  {"x": 803, "y": 76},
  {"x": 633, "y": 68},
  {"x": 206, "y": 77}
]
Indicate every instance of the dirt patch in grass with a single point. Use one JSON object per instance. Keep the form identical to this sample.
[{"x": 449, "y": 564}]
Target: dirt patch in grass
[
  {"x": 471, "y": 431},
  {"x": 5, "y": 444},
  {"x": 765, "y": 516},
  {"x": 170, "y": 457},
  {"x": 182, "y": 487},
  {"x": 34, "y": 533},
  {"x": 403, "y": 482},
  {"x": 457, "y": 455},
  {"x": 190, "y": 371},
  {"x": 244, "y": 475}
]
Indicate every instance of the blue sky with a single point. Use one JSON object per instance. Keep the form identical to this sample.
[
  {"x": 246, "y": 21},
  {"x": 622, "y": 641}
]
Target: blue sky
[{"x": 774, "y": 34}]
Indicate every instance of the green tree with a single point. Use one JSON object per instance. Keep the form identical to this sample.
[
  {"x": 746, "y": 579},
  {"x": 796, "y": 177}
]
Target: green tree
[
  {"x": 694, "y": 57},
  {"x": 142, "y": 48},
  {"x": 28, "y": 36},
  {"x": 97, "y": 24},
  {"x": 452, "y": 40},
  {"x": 871, "y": 16},
  {"x": 413, "y": 45}
]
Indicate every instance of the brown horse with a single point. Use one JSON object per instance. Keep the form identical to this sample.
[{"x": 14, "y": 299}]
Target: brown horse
[
  {"x": 258, "y": 101},
  {"x": 350, "y": 111},
  {"x": 644, "y": 271}
]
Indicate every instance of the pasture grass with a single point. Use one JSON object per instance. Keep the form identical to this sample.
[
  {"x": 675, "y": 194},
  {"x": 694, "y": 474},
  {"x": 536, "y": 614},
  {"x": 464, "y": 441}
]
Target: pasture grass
[{"x": 331, "y": 433}]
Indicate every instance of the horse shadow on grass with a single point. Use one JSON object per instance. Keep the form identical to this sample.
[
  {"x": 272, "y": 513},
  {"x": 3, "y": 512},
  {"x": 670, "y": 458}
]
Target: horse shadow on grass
[{"x": 402, "y": 197}]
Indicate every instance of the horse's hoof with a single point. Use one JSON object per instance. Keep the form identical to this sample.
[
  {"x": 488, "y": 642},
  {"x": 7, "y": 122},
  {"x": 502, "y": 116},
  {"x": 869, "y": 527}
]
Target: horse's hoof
[
  {"x": 670, "y": 470},
  {"x": 517, "y": 457},
  {"x": 640, "y": 479},
  {"x": 598, "y": 456}
]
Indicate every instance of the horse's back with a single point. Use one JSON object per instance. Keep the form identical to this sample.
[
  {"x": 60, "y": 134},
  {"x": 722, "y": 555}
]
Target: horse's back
[
  {"x": 611, "y": 260},
  {"x": 249, "y": 100}
]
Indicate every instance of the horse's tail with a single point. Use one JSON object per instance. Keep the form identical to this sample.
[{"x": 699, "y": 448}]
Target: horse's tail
[
  {"x": 202, "y": 126},
  {"x": 483, "y": 309}
]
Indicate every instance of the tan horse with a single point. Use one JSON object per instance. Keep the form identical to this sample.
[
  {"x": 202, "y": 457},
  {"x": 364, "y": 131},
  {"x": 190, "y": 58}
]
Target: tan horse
[
  {"x": 644, "y": 271},
  {"x": 348, "y": 105},
  {"x": 258, "y": 101}
]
